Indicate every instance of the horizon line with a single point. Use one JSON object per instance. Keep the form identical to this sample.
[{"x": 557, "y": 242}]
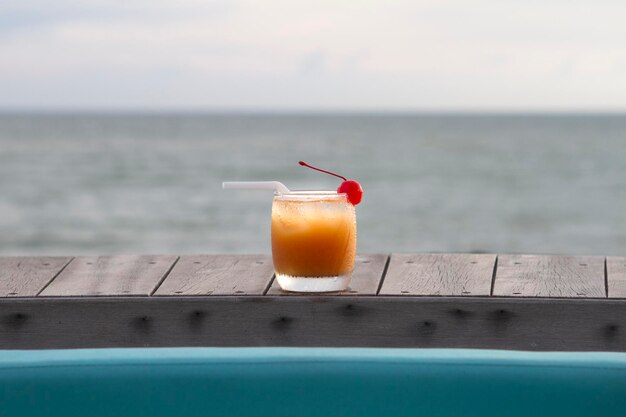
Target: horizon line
[{"x": 301, "y": 111}]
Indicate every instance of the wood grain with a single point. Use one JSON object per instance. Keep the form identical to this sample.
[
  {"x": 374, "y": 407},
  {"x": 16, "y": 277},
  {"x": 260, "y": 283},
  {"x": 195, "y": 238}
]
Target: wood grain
[
  {"x": 110, "y": 275},
  {"x": 219, "y": 275},
  {"x": 368, "y": 271},
  {"x": 616, "y": 276},
  {"x": 22, "y": 276},
  {"x": 439, "y": 274},
  {"x": 425, "y": 322},
  {"x": 550, "y": 276}
]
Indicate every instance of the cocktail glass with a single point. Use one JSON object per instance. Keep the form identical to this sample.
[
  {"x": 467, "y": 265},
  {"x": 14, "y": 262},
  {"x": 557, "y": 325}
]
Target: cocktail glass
[{"x": 313, "y": 240}]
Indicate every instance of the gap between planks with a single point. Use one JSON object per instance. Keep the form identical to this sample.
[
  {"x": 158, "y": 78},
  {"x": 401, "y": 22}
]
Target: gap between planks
[
  {"x": 164, "y": 276},
  {"x": 55, "y": 276},
  {"x": 384, "y": 274},
  {"x": 493, "y": 277}
]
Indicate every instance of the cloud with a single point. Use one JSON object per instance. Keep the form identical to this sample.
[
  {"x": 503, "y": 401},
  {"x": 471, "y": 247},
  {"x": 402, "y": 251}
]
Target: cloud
[{"x": 425, "y": 54}]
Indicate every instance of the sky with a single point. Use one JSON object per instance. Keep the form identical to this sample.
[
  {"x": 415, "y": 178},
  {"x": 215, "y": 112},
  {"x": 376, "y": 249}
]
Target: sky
[{"x": 479, "y": 55}]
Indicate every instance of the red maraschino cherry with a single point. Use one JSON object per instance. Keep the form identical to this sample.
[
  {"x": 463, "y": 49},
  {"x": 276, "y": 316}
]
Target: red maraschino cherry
[{"x": 350, "y": 187}]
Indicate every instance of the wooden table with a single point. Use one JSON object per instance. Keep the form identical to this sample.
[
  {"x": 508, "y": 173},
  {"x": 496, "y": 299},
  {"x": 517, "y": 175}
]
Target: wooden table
[{"x": 527, "y": 302}]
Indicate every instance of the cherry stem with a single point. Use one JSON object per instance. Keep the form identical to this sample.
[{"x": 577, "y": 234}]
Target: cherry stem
[{"x": 304, "y": 164}]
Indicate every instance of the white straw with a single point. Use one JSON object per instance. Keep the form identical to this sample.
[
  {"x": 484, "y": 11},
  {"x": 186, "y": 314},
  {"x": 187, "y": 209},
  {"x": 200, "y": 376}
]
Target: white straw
[{"x": 279, "y": 187}]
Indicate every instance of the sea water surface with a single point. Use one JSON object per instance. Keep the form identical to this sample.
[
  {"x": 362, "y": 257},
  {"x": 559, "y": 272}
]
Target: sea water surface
[{"x": 151, "y": 183}]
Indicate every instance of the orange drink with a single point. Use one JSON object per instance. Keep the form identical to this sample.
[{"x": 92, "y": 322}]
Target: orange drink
[
  {"x": 313, "y": 233},
  {"x": 313, "y": 240}
]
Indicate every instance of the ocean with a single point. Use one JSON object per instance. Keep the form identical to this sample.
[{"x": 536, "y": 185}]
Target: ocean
[{"x": 73, "y": 184}]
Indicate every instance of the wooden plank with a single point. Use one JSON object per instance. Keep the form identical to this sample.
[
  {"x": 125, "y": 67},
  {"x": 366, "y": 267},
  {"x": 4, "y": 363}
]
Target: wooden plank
[
  {"x": 439, "y": 274},
  {"x": 433, "y": 322},
  {"x": 368, "y": 271},
  {"x": 550, "y": 276},
  {"x": 219, "y": 275},
  {"x": 616, "y": 276},
  {"x": 22, "y": 276},
  {"x": 111, "y": 275}
]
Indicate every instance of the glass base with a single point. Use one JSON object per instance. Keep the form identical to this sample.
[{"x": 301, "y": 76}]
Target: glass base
[{"x": 313, "y": 284}]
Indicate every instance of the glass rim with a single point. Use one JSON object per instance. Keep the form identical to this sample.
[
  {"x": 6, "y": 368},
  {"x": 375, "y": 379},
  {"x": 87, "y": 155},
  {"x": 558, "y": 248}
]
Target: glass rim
[{"x": 313, "y": 194}]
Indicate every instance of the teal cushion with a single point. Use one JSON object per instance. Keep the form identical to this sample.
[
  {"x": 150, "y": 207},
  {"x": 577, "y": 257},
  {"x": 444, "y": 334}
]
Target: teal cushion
[{"x": 310, "y": 382}]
